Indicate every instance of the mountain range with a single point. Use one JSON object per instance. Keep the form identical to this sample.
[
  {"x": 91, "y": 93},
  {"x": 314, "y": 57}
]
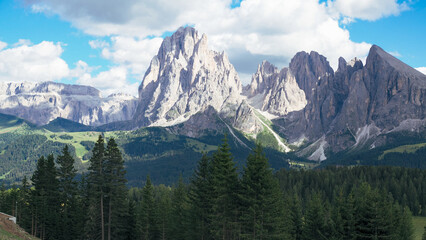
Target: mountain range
[{"x": 189, "y": 90}]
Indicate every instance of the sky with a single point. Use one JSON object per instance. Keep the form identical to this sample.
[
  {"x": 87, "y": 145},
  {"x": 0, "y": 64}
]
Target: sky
[{"x": 109, "y": 44}]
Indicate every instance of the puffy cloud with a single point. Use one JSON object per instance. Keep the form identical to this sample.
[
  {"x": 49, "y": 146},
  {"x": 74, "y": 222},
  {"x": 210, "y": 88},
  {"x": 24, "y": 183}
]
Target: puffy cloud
[
  {"x": 34, "y": 63},
  {"x": 111, "y": 81},
  {"x": 421, "y": 69},
  {"x": 2, "y": 45},
  {"x": 131, "y": 52},
  {"x": 256, "y": 30},
  {"x": 368, "y": 9}
]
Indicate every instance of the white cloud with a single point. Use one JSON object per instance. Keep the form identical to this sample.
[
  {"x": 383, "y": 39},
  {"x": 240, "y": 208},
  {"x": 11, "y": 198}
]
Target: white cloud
[
  {"x": 257, "y": 30},
  {"x": 368, "y": 9},
  {"x": 132, "y": 53},
  {"x": 2, "y": 45},
  {"x": 111, "y": 81},
  {"x": 421, "y": 69},
  {"x": 34, "y": 63}
]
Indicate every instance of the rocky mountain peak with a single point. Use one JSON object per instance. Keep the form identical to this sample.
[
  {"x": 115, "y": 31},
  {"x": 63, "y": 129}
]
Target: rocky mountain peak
[
  {"x": 308, "y": 69},
  {"x": 378, "y": 59},
  {"x": 185, "y": 77}
]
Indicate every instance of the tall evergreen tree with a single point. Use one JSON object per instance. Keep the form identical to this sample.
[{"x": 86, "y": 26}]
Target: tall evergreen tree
[
  {"x": 200, "y": 197},
  {"x": 315, "y": 224},
  {"x": 115, "y": 192},
  {"x": 262, "y": 210},
  {"x": 147, "y": 227},
  {"x": 95, "y": 227},
  {"x": 179, "y": 211},
  {"x": 225, "y": 182},
  {"x": 68, "y": 191}
]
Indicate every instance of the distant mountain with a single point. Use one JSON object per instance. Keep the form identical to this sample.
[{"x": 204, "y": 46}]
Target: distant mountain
[
  {"x": 41, "y": 103},
  {"x": 192, "y": 91},
  {"x": 356, "y": 106},
  {"x": 186, "y": 77}
]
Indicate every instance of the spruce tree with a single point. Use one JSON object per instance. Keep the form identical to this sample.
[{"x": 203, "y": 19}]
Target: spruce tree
[
  {"x": 262, "y": 210},
  {"x": 200, "y": 197},
  {"x": 179, "y": 211},
  {"x": 225, "y": 184},
  {"x": 146, "y": 224},
  {"x": 68, "y": 190},
  {"x": 315, "y": 225},
  {"x": 95, "y": 227},
  {"x": 405, "y": 228},
  {"x": 115, "y": 192}
]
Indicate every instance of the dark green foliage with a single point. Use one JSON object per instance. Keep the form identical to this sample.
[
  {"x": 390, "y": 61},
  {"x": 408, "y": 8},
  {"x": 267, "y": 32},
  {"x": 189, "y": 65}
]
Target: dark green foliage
[
  {"x": 333, "y": 203},
  {"x": 70, "y": 220},
  {"x": 200, "y": 196},
  {"x": 115, "y": 192},
  {"x": 179, "y": 211},
  {"x": 407, "y": 186},
  {"x": 146, "y": 218},
  {"x": 95, "y": 227},
  {"x": 262, "y": 201},
  {"x": 226, "y": 186},
  {"x": 65, "y": 137}
]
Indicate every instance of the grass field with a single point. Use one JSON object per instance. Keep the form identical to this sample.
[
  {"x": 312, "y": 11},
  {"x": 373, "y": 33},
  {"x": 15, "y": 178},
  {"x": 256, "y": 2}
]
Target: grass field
[
  {"x": 419, "y": 224},
  {"x": 403, "y": 148}
]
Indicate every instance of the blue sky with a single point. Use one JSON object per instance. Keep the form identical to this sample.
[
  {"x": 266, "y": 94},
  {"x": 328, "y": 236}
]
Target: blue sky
[{"x": 88, "y": 42}]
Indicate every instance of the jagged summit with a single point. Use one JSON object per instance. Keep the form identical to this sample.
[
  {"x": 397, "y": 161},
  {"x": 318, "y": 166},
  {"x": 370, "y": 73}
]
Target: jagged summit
[
  {"x": 186, "y": 77},
  {"x": 377, "y": 56}
]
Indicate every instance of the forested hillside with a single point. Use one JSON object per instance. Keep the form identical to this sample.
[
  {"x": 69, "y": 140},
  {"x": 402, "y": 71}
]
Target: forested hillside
[{"x": 217, "y": 202}]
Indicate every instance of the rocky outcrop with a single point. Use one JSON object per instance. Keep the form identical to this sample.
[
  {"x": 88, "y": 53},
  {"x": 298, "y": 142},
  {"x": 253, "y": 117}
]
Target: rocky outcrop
[
  {"x": 41, "y": 103},
  {"x": 357, "y": 103},
  {"x": 185, "y": 77},
  {"x": 274, "y": 91}
]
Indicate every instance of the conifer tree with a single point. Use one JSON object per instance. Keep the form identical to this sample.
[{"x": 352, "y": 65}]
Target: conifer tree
[
  {"x": 68, "y": 190},
  {"x": 115, "y": 192},
  {"x": 315, "y": 225},
  {"x": 200, "y": 197},
  {"x": 146, "y": 213},
  {"x": 225, "y": 183},
  {"x": 95, "y": 227},
  {"x": 179, "y": 211},
  {"x": 405, "y": 228},
  {"x": 262, "y": 210}
]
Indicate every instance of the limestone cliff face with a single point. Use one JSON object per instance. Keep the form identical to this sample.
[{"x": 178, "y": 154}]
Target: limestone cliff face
[
  {"x": 185, "y": 77},
  {"x": 274, "y": 91},
  {"x": 41, "y": 103}
]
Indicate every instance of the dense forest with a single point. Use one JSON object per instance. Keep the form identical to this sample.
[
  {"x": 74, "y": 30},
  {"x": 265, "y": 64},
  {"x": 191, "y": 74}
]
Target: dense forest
[{"x": 217, "y": 202}]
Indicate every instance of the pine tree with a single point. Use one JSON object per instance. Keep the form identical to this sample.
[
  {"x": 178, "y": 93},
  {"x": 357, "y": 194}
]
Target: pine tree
[
  {"x": 424, "y": 234},
  {"x": 115, "y": 192},
  {"x": 45, "y": 201},
  {"x": 200, "y": 197},
  {"x": 147, "y": 227},
  {"x": 262, "y": 210},
  {"x": 179, "y": 211},
  {"x": 405, "y": 229},
  {"x": 95, "y": 227},
  {"x": 68, "y": 190},
  {"x": 225, "y": 183},
  {"x": 315, "y": 225},
  {"x": 24, "y": 209}
]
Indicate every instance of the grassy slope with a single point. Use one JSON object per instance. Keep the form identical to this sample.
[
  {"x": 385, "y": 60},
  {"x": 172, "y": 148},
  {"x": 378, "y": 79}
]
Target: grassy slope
[
  {"x": 404, "y": 148},
  {"x": 419, "y": 224}
]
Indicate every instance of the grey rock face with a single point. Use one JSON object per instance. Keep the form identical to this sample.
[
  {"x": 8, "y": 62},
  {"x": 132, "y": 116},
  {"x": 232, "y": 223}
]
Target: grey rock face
[
  {"x": 357, "y": 102},
  {"x": 41, "y": 103},
  {"x": 274, "y": 91},
  {"x": 184, "y": 78}
]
